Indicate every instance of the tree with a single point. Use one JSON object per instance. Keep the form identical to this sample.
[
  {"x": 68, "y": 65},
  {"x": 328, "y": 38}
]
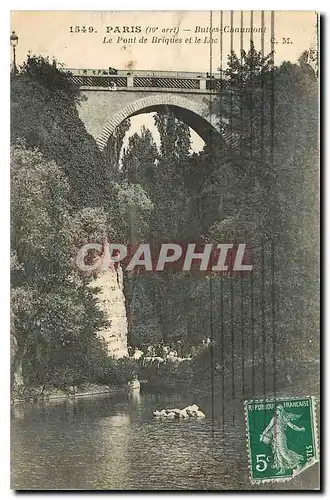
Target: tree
[
  {"x": 54, "y": 313},
  {"x": 272, "y": 113},
  {"x": 174, "y": 136},
  {"x": 44, "y": 113},
  {"x": 64, "y": 194},
  {"x": 113, "y": 152},
  {"x": 163, "y": 173},
  {"x": 139, "y": 163}
]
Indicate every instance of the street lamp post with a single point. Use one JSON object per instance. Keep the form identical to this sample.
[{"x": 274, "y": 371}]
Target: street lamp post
[{"x": 13, "y": 43}]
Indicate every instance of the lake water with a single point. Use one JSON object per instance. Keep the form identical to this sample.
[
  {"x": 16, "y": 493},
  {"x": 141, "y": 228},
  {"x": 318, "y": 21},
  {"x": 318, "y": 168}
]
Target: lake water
[{"x": 113, "y": 443}]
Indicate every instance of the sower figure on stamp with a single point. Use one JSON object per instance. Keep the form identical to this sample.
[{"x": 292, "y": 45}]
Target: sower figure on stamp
[{"x": 274, "y": 434}]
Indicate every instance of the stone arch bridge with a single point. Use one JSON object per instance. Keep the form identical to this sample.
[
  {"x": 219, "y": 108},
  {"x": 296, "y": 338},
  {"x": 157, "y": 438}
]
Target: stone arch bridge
[{"x": 112, "y": 98}]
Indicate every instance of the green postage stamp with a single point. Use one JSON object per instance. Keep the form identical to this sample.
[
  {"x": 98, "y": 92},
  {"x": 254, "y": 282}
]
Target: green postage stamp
[{"x": 281, "y": 437}]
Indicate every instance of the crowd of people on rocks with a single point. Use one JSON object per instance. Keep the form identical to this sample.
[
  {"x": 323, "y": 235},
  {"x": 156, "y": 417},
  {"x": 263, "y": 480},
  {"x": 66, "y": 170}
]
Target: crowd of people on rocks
[{"x": 163, "y": 353}]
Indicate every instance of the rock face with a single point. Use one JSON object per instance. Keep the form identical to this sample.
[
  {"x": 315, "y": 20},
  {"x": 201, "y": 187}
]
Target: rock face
[
  {"x": 176, "y": 413},
  {"x": 112, "y": 301}
]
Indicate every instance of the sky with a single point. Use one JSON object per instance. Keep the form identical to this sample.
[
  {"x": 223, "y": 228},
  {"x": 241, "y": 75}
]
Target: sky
[{"x": 53, "y": 34}]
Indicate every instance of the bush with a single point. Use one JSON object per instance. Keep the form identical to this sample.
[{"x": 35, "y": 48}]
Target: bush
[{"x": 118, "y": 371}]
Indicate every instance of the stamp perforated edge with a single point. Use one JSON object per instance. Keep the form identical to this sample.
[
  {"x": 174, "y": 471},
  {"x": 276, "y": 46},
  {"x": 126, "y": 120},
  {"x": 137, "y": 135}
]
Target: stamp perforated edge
[{"x": 314, "y": 433}]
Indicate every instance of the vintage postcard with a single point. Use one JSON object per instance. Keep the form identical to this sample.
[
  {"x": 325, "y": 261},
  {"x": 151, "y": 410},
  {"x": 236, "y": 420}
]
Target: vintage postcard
[{"x": 165, "y": 250}]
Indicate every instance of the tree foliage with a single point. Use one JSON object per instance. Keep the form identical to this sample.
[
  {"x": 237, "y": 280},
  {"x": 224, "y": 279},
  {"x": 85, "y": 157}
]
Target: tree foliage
[
  {"x": 54, "y": 312},
  {"x": 263, "y": 190},
  {"x": 44, "y": 113}
]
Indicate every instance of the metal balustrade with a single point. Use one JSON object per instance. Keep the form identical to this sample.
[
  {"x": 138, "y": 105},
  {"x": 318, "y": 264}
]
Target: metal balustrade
[
  {"x": 125, "y": 79},
  {"x": 166, "y": 83}
]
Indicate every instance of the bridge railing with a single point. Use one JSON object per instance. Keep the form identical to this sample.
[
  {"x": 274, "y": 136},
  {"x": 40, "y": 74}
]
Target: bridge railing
[
  {"x": 144, "y": 73},
  {"x": 137, "y": 81}
]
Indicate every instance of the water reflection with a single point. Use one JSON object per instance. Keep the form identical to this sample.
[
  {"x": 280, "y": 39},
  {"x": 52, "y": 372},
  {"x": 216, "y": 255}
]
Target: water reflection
[{"x": 114, "y": 443}]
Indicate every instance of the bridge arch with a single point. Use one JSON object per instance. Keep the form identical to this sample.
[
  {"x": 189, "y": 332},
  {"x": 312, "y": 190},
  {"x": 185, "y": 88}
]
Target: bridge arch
[{"x": 196, "y": 115}]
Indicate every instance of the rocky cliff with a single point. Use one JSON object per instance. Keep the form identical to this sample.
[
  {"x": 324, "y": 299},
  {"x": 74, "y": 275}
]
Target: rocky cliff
[{"x": 112, "y": 301}]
